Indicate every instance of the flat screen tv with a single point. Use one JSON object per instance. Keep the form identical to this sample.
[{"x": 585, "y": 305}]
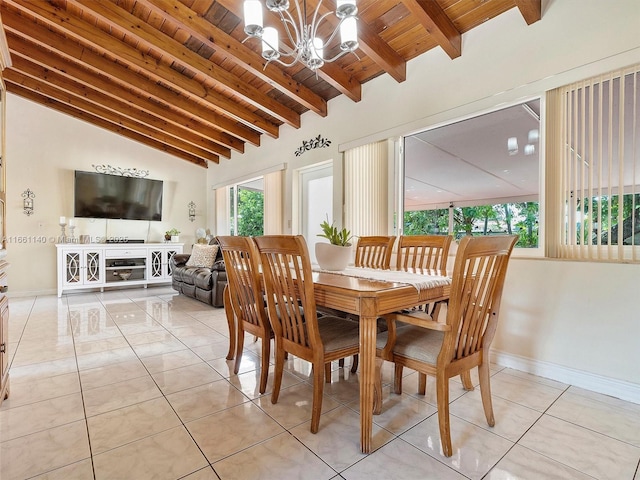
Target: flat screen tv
[{"x": 99, "y": 195}]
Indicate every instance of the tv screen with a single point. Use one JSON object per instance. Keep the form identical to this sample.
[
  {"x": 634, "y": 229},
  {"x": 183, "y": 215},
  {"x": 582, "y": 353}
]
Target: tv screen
[{"x": 99, "y": 195}]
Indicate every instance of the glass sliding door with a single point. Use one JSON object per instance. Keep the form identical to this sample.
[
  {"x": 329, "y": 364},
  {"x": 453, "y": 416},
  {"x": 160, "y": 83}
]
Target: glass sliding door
[
  {"x": 247, "y": 208},
  {"x": 315, "y": 202}
]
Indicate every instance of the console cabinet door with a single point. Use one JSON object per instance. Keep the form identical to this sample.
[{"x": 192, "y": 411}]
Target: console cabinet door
[
  {"x": 159, "y": 267},
  {"x": 82, "y": 267}
]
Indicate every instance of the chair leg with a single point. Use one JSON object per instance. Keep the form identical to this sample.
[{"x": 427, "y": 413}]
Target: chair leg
[
  {"x": 341, "y": 362},
  {"x": 485, "y": 393},
  {"x": 318, "y": 388},
  {"x": 239, "y": 348},
  {"x": 377, "y": 388},
  {"x": 327, "y": 372},
  {"x": 231, "y": 321},
  {"x": 354, "y": 365},
  {"x": 465, "y": 378},
  {"x": 442, "y": 393},
  {"x": 422, "y": 383},
  {"x": 264, "y": 364},
  {"x": 397, "y": 379},
  {"x": 277, "y": 379}
]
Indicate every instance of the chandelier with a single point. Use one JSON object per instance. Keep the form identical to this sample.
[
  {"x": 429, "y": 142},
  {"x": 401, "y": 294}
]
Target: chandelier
[{"x": 303, "y": 45}]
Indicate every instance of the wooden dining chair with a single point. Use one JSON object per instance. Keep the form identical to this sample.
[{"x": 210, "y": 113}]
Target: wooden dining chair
[
  {"x": 289, "y": 285},
  {"x": 445, "y": 350},
  {"x": 426, "y": 252},
  {"x": 374, "y": 251},
  {"x": 245, "y": 292}
]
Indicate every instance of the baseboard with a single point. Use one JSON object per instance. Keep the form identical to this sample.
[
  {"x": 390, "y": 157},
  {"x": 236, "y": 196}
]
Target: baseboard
[
  {"x": 31, "y": 293},
  {"x": 608, "y": 386}
]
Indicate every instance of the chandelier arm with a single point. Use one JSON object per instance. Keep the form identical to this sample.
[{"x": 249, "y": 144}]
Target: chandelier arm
[
  {"x": 315, "y": 25},
  {"x": 284, "y": 64},
  {"x": 289, "y": 23},
  {"x": 284, "y": 53},
  {"x": 335, "y": 30},
  {"x": 315, "y": 16}
]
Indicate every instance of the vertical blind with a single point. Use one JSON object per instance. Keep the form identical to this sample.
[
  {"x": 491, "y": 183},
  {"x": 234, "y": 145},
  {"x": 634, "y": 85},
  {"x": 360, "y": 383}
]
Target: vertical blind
[
  {"x": 595, "y": 169},
  {"x": 365, "y": 189}
]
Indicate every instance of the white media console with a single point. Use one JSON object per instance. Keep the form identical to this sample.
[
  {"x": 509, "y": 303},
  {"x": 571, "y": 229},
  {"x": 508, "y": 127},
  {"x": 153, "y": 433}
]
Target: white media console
[{"x": 100, "y": 265}]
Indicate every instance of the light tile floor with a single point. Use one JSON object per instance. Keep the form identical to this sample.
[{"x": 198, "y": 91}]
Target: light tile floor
[{"x": 133, "y": 384}]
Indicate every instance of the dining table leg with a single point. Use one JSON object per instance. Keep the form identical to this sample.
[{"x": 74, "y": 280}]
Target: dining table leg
[
  {"x": 368, "y": 332},
  {"x": 231, "y": 321}
]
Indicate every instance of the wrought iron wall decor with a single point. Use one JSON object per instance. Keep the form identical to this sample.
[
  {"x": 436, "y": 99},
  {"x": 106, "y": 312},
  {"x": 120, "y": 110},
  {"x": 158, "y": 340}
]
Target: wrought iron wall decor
[
  {"x": 317, "y": 142},
  {"x": 123, "y": 172},
  {"x": 27, "y": 203},
  {"x": 192, "y": 211}
]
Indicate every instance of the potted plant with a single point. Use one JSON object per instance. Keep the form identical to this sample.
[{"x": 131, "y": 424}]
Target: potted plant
[
  {"x": 336, "y": 254},
  {"x": 172, "y": 235}
]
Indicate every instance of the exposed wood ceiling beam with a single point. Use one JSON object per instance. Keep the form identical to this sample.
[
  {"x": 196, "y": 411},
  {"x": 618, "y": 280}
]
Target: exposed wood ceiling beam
[
  {"x": 241, "y": 55},
  {"x": 438, "y": 24},
  {"x": 81, "y": 115},
  {"x": 121, "y": 75},
  {"x": 330, "y": 72},
  {"x": 133, "y": 58},
  {"x": 531, "y": 10},
  {"x": 119, "y": 18}
]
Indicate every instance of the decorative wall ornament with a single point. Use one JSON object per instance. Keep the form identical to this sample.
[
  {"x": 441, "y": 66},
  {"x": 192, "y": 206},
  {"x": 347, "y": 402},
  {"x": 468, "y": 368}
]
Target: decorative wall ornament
[
  {"x": 192, "y": 211},
  {"x": 317, "y": 142},
  {"x": 123, "y": 172},
  {"x": 27, "y": 203}
]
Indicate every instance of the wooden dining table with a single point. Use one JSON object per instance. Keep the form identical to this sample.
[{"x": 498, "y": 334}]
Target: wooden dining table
[{"x": 369, "y": 299}]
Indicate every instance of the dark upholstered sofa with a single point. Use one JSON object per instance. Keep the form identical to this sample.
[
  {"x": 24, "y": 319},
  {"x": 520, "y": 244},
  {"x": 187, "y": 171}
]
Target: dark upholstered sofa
[{"x": 204, "y": 284}]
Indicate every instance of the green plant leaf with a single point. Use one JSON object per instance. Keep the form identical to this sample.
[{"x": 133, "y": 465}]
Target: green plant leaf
[{"x": 335, "y": 236}]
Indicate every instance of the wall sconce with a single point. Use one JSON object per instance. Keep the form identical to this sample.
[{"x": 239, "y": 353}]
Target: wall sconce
[
  {"x": 192, "y": 211},
  {"x": 27, "y": 203}
]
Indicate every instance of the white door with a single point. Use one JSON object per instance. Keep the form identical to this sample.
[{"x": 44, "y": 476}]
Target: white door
[{"x": 316, "y": 202}]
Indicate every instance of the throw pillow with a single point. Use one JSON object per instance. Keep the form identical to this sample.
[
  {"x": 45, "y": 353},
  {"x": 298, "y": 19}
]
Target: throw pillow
[{"x": 202, "y": 256}]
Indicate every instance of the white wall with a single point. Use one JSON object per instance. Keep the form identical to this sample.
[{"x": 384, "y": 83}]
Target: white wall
[
  {"x": 575, "y": 321},
  {"x": 43, "y": 150}
]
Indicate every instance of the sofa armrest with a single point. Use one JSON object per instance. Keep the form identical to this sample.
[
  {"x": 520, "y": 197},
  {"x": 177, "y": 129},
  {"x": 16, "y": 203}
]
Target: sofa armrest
[
  {"x": 218, "y": 266},
  {"x": 179, "y": 259}
]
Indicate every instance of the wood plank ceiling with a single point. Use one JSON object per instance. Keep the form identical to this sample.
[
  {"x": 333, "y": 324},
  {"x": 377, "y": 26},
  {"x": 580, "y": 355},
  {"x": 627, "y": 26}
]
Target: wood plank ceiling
[{"x": 176, "y": 75}]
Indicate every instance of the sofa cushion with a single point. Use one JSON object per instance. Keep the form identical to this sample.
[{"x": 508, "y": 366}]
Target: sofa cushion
[{"x": 202, "y": 256}]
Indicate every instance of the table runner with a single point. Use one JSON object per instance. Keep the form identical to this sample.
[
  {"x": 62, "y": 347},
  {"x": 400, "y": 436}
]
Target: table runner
[{"x": 397, "y": 276}]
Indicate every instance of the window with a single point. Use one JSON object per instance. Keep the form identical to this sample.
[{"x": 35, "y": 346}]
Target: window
[
  {"x": 479, "y": 176},
  {"x": 246, "y": 208}
]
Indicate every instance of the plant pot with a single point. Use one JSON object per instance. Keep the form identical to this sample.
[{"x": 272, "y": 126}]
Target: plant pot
[
  {"x": 175, "y": 238},
  {"x": 332, "y": 257}
]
